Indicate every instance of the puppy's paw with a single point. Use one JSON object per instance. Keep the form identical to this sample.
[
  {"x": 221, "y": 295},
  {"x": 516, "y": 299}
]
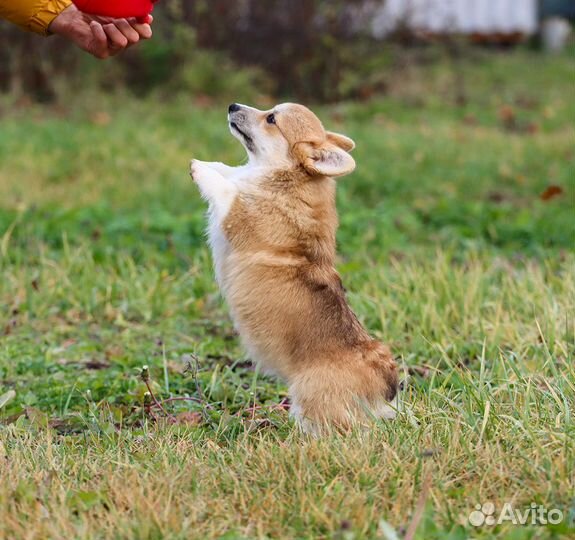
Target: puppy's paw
[{"x": 198, "y": 169}]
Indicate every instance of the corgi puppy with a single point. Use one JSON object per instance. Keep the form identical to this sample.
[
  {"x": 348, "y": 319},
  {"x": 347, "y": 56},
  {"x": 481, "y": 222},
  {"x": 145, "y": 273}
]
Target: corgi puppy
[{"x": 272, "y": 227}]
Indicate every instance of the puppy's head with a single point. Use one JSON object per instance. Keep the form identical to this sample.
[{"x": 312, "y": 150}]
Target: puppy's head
[{"x": 291, "y": 135}]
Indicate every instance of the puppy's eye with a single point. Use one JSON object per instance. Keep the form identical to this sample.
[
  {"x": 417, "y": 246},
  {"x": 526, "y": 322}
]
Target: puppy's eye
[{"x": 271, "y": 119}]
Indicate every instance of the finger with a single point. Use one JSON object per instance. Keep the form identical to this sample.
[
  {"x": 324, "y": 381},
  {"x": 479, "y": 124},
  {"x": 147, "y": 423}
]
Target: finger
[
  {"x": 117, "y": 40},
  {"x": 98, "y": 46},
  {"x": 130, "y": 33},
  {"x": 144, "y": 30}
]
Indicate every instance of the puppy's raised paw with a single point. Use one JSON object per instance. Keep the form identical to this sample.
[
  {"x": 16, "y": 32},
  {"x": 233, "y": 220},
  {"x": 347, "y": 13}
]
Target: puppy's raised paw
[{"x": 197, "y": 169}]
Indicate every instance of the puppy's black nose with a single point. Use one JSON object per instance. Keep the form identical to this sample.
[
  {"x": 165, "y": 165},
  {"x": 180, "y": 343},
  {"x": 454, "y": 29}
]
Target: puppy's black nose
[{"x": 233, "y": 108}]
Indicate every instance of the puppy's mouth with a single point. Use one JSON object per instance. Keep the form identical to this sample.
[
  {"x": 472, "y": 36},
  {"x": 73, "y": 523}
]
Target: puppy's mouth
[
  {"x": 236, "y": 128},
  {"x": 248, "y": 141}
]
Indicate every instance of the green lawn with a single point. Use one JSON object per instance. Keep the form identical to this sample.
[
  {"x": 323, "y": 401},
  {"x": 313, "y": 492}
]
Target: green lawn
[{"x": 456, "y": 247}]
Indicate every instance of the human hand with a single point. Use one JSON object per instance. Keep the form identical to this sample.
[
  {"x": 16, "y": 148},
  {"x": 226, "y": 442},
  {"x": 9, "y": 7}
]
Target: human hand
[{"x": 100, "y": 36}]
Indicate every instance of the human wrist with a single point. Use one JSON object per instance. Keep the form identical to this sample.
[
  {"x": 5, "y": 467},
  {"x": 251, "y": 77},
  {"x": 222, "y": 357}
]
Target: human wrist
[{"x": 64, "y": 21}]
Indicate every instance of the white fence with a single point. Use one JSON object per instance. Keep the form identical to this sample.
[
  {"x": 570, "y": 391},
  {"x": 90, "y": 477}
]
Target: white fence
[{"x": 461, "y": 16}]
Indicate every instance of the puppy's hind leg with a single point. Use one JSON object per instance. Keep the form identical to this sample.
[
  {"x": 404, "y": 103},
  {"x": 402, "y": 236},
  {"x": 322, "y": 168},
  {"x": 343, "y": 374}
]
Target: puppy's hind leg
[
  {"x": 321, "y": 401},
  {"x": 331, "y": 396}
]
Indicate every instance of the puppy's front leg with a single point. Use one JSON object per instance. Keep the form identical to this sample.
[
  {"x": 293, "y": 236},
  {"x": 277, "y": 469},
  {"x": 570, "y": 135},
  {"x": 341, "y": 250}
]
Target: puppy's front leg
[
  {"x": 215, "y": 188},
  {"x": 225, "y": 170}
]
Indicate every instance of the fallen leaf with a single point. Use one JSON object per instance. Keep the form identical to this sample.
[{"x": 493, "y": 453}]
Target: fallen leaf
[
  {"x": 550, "y": 192},
  {"x": 496, "y": 196},
  {"x": 95, "y": 364},
  {"x": 507, "y": 116},
  {"x": 100, "y": 118},
  {"x": 345, "y": 525},
  {"x": 189, "y": 418},
  {"x": 431, "y": 452}
]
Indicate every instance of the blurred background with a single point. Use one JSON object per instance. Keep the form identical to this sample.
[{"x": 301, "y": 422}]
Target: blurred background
[{"x": 312, "y": 50}]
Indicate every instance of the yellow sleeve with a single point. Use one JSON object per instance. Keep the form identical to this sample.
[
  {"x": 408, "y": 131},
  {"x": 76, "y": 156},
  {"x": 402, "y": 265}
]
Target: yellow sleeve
[{"x": 32, "y": 15}]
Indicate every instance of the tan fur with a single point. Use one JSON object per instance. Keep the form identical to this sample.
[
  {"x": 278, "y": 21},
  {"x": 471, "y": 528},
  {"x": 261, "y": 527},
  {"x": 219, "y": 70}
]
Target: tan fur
[{"x": 284, "y": 293}]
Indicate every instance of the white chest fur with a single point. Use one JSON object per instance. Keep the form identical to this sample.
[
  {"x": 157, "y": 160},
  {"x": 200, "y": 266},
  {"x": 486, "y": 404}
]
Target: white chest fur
[{"x": 219, "y": 244}]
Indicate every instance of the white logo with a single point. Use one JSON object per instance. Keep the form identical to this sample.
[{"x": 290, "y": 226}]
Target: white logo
[
  {"x": 534, "y": 514},
  {"x": 482, "y": 515}
]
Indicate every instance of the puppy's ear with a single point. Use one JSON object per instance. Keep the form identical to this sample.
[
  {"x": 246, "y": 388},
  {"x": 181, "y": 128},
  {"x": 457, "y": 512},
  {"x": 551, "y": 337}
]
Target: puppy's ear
[
  {"x": 343, "y": 142},
  {"x": 326, "y": 159}
]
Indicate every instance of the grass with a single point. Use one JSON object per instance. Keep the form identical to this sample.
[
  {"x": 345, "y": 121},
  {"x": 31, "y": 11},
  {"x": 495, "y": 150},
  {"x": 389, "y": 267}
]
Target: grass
[{"x": 450, "y": 252}]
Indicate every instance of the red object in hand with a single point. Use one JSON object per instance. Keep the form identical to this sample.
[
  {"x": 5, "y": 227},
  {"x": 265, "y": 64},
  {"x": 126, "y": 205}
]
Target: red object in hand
[{"x": 119, "y": 9}]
